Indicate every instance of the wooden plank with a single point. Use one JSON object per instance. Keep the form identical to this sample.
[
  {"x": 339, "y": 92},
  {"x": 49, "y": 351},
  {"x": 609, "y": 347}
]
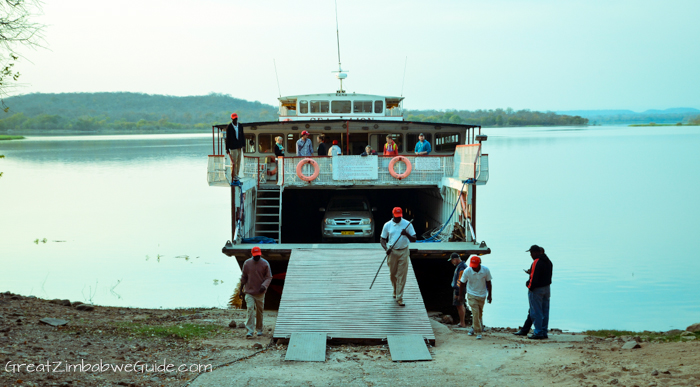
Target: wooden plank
[
  {"x": 306, "y": 347},
  {"x": 408, "y": 348},
  {"x": 328, "y": 291}
]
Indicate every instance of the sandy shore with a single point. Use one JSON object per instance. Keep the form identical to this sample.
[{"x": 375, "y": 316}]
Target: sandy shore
[{"x": 184, "y": 341}]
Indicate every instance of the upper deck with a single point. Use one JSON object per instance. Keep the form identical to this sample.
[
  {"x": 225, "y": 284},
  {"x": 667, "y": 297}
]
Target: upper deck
[{"x": 455, "y": 154}]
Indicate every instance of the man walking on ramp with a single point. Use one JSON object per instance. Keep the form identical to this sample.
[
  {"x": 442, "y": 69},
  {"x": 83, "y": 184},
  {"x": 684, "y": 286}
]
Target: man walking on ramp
[{"x": 397, "y": 233}]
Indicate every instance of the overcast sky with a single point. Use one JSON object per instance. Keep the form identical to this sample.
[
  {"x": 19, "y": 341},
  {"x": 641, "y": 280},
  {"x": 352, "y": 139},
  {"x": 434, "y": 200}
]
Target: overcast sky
[{"x": 524, "y": 54}]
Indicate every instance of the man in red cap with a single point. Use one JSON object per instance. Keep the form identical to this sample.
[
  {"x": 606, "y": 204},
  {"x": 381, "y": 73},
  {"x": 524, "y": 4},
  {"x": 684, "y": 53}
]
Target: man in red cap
[
  {"x": 304, "y": 146},
  {"x": 477, "y": 279},
  {"x": 335, "y": 149},
  {"x": 397, "y": 233},
  {"x": 235, "y": 141},
  {"x": 255, "y": 279}
]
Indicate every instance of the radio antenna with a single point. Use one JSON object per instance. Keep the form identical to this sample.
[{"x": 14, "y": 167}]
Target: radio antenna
[
  {"x": 341, "y": 74},
  {"x": 404, "y": 75},
  {"x": 278, "y": 78}
]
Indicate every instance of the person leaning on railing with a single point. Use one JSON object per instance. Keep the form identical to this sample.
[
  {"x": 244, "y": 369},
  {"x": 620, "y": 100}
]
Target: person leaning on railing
[
  {"x": 369, "y": 151},
  {"x": 422, "y": 146}
]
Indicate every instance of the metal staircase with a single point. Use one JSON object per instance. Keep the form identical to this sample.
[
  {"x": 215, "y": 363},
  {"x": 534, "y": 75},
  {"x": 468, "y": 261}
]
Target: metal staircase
[{"x": 268, "y": 217}]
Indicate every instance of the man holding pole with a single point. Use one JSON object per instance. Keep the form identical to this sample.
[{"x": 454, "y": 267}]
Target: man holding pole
[{"x": 397, "y": 233}]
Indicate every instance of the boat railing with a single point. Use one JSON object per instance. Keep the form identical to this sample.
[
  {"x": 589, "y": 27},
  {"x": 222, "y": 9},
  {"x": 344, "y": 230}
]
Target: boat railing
[
  {"x": 364, "y": 170},
  {"x": 395, "y": 112}
]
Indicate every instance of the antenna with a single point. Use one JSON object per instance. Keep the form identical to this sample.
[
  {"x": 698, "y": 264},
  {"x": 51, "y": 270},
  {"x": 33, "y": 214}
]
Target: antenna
[
  {"x": 341, "y": 75},
  {"x": 404, "y": 74},
  {"x": 278, "y": 78}
]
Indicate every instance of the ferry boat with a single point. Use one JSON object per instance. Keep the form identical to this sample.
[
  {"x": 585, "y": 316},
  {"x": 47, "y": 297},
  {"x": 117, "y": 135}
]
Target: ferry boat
[{"x": 283, "y": 199}]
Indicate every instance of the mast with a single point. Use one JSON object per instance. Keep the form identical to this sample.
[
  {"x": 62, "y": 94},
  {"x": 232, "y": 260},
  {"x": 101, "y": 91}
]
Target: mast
[{"x": 340, "y": 74}]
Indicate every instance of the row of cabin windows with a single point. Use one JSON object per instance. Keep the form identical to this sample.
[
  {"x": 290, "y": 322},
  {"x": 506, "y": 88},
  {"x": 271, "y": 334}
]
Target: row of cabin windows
[
  {"x": 444, "y": 142},
  {"x": 340, "y": 107}
]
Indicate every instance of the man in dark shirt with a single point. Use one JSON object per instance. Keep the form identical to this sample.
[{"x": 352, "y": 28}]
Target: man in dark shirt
[
  {"x": 538, "y": 291},
  {"x": 235, "y": 141},
  {"x": 255, "y": 279}
]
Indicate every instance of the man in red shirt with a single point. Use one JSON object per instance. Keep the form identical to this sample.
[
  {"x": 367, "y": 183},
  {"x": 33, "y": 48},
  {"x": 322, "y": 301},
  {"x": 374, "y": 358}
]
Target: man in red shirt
[
  {"x": 390, "y": 148},
  {"x": 255, "y": 279}
]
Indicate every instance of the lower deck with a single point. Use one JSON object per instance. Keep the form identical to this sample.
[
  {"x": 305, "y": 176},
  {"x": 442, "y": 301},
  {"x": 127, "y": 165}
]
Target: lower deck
[{"x": 433, "y": 272}]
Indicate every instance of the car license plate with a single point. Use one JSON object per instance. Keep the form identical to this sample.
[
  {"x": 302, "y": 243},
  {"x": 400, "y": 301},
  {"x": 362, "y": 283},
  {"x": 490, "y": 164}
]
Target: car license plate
[{"x": 347, "y": 233}]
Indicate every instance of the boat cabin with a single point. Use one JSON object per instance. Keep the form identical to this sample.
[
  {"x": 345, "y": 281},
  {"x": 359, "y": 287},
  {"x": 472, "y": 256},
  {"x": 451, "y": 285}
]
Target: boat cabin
[{"x": 340, "y": 106}]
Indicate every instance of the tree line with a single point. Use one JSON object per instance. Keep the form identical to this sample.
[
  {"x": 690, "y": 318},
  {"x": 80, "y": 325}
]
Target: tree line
[
  {"x": 142, "y": 112},
  {"x": 496, "y": 117}
]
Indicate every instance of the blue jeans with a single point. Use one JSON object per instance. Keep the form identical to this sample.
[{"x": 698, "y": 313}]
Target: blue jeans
[{"x": 539, "y": 309}]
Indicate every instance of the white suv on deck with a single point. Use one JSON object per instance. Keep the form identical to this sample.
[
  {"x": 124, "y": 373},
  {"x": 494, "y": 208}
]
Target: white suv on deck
[{"x": 348, "y": 219}]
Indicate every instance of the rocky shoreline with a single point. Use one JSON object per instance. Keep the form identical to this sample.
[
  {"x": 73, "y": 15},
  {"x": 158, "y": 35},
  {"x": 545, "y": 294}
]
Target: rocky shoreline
[{"x": 64, "y": 343}]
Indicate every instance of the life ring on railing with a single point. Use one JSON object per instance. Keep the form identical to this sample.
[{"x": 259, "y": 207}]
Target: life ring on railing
[
  {"x": 314, "y": 175},
  {"x": 271, "y": 169},
  {"x": 401, "y": 175}
]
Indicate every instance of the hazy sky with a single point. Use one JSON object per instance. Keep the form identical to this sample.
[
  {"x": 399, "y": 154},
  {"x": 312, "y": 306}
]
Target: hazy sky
[{"x": 535, "y": 54}]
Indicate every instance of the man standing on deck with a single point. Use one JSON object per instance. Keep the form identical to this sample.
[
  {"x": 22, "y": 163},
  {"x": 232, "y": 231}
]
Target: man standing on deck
[
  {"x": 390, "y": 148},
  {"x": 422, "y": 146},
  {"x": 235, "y": 141},
  {"x": 304, "y": 146},
  {"x": 539, "y": 293},
  {"x": 255, "y": 279},
  {"x": 396, "y": 235},
  {"x": 458, "y": 297},
  {"x": 477, "y": 279}
]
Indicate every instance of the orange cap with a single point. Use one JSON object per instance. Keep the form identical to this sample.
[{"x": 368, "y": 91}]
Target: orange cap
[
  {"x": 256, "y": 251},
  {"x": 474, "y": 261},
  {"x": 234, "y": 116},
  {"x": 397, "y": 211}
]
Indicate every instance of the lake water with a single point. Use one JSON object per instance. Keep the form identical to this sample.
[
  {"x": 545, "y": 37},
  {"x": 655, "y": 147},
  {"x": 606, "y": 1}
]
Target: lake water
[{"x": 131, "y": 221}]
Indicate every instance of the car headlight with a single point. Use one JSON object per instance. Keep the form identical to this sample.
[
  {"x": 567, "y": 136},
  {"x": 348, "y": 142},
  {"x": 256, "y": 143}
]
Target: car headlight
[
  {"x": 366, "y": 221},
  {"x": 330, "y": 221}
]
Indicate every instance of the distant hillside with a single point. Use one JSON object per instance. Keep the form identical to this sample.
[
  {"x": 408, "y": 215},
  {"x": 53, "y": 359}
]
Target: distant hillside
[
  {"x": 667, "y": 116},
  {"x": 497, "y": 117},
  {"x": 90, "y": 111}
]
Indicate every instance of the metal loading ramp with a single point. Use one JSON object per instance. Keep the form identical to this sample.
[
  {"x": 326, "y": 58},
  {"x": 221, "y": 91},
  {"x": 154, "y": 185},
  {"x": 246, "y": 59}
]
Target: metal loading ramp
[{"x": 327, "y": 291}]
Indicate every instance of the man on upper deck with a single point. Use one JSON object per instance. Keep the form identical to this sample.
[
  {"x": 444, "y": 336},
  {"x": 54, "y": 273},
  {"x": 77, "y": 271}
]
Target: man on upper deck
[
  {"x": 235, "y": 141},
  {"x": 422, "y": 146},
  {"x": 390, "y": 148},
  {"x": 304, "y": 146}
]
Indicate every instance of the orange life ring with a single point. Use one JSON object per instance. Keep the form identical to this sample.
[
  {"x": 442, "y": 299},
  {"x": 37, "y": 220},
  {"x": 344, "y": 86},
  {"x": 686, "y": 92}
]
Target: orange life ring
[
  {"x": 402, "y": 175},
  {"x": 271, "y": 169},
  {"x": 314, "y": 175}
]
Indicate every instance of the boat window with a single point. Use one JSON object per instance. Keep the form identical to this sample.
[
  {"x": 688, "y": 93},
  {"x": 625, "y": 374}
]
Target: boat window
[
  {"x": 319, "y": 107},
  {"x": 362, "y": 107},
  {"x": 249, "y": 143},
  {"x": 340, "y": 107},
  {"x": 292, "y": 144},
  {"x": 266, "y": 142},
  {"x": 379, "y": 140},
  {"x": 446, "y": 142},
  {"x": 412, "y": 140},
  {"x": 378, "y": 106},
  {"x": 348, "y": 204},
  {"x": 303, "y": 107}
]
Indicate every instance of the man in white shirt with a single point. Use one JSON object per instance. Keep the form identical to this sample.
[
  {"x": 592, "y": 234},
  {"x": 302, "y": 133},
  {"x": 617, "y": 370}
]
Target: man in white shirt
[
  {"x": 477, "y": 279},
  {"x": 397, "y": 233}
]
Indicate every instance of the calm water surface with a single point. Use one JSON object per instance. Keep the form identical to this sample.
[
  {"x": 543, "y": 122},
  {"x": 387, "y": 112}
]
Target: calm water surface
[{"x": 131, "y": 221}]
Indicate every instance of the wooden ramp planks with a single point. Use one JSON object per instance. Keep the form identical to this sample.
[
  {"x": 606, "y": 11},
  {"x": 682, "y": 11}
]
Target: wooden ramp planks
[{"x": 328, "y": 291}]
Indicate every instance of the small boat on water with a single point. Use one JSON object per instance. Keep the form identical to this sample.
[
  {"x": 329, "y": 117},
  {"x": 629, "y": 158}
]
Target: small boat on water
[{"x": 320, "y": 202}]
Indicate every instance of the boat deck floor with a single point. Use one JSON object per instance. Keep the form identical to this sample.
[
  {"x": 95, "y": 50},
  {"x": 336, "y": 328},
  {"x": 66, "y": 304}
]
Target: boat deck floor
[
  {"x": 441, "y": 249},
  {"x": 329, "y": 293}
]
